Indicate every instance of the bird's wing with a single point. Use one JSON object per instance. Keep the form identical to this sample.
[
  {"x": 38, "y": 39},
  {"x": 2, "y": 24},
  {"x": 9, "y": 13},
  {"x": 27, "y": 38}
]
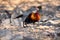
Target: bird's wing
[{"x": 25, "y": 15}]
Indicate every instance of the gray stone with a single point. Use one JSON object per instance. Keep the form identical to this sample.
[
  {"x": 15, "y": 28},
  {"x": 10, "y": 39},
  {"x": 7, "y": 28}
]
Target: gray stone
[
  {"x": 6, "y": 35},
  {"x": 4, "y": 32},
  {"x": 17, "y": 37},
  {"x": 16, "y": 12},
  {"x": 6, "y": 22},
  {"x": 17, "y": 22},
  {"x": 27, "y": 38}
]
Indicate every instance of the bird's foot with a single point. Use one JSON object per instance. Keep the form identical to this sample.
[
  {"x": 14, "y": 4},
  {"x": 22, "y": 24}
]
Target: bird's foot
[{"x": 25, "y": 26}]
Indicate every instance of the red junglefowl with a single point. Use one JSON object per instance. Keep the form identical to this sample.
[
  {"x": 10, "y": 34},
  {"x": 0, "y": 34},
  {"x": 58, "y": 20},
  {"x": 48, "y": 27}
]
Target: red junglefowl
[{"x": 32, "y": 18}]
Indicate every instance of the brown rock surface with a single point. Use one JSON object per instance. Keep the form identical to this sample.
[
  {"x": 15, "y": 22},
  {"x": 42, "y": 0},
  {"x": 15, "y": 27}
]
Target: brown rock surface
[{"x": 11, "y": 4}]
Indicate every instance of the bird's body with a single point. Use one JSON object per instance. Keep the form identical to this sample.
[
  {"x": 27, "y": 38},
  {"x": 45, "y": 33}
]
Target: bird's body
[
  {"x": 35, "y": 16},
  {"x": 32, "y": 18}
]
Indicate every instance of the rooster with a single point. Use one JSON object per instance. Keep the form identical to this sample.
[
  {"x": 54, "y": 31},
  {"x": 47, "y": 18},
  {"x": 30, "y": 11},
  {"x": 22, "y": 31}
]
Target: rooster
[{"x": 33, "y": 16}]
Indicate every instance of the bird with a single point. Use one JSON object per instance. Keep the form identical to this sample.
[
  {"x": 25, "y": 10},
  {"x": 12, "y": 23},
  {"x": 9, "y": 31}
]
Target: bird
[{"x": 32, "y": 16}]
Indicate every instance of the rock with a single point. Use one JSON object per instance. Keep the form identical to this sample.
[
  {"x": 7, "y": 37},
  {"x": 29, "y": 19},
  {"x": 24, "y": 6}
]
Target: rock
[
  {"x": 16, "y": 12},
  {"x": 45, "y": 33},
  {"x": 57, "y": 29},
  {"x": 4, "y": 32},
  {"x": 17, "y": 22},
  {"x": 58, "y": 8},
  {"x": 27, "y": 38},
  {"x": 57, "y": 25},
  {"x": 17, "y": 37},
  {"x": 58, "y": 34},
  {"x": 58, "y": 38},
  {"x": 35, "y": 30},
  {"x": 44, "y": 19},
  {"x": 54, "y": 21},
  {"x": 43, "y": 27},
  {"x": 57, "y": 14},
  {"x": 6, "y": 22},
  {"x": 7, "y": 36},
  {"x": 4, "y": 14}
]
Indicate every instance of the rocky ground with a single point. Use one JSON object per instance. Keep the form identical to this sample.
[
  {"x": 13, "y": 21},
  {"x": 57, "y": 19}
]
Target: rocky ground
[{"x": 49, "y": 28}]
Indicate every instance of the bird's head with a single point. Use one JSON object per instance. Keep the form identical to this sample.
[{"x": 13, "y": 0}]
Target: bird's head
[
  {"x": 36, "y": 14},
  {"x": 38, "y": 8}
]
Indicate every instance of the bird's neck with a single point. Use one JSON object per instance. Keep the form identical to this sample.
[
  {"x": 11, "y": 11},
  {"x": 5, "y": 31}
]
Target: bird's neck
[{"x": 37, "y": 13}]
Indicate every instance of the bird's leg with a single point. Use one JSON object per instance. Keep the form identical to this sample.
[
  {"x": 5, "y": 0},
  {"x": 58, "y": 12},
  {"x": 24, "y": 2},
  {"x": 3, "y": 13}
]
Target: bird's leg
[
  {"x": 23, "y": 24},
  {"x": 26, "y": 25},
  {"x": 38, "y": 23},
  {"x": 33, "y": 24},
  {"x": 10, "y": 22}
]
